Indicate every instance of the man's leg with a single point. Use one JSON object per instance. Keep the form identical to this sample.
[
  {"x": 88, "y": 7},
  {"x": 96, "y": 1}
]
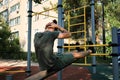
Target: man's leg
[{"x": 66, "y": 59}]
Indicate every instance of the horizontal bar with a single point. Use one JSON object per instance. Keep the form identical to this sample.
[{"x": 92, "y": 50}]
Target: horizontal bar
[
  {"x": 77, "y": 16},
  {"x": 13, "y": 71},
  {"x": 96, "y": 54},
  {"x": 78, "y": 8},
  {"x": 49, "y": 15},
  {"x": 81, "y": 64},
  {"x": 97, "y": 45},
  {"x": 34, "y": 13},
  {"x": 76, "y": 24},
  {"x": 79, "y": 31}
]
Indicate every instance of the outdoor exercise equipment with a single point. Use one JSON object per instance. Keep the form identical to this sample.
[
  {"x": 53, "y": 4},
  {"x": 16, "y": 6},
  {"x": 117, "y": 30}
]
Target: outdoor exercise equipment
[
  {"x": 43, "y": 74},
  {"x": 29, "y": 31},
  {"x": 60, "y": 42},
  {"x": 28, "y": 71},
  {"x": 42, "y": 12}
]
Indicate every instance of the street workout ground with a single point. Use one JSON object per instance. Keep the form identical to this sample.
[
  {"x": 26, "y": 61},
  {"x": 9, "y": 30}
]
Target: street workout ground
[{"x": 72, "y": 72}]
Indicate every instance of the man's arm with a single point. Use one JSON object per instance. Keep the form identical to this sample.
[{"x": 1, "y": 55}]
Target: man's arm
[{"x": 64, "y": 33}]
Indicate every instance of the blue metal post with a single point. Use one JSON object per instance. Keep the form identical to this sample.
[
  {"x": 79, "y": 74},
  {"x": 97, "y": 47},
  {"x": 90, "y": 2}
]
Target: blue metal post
[
  {"x": 9, "y": 77},
  {"x": 93, "y": 32},
  {"x": 60, "y": 41},
  {"x": 29, "y": 36},
  {"x": 115, "y": 52},
  {"x": 63, "y": 26}
]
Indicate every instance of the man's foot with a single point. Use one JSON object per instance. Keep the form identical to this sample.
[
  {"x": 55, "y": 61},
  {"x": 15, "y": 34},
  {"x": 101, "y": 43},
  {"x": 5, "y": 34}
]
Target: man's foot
[{"x": 81, "y": 54}]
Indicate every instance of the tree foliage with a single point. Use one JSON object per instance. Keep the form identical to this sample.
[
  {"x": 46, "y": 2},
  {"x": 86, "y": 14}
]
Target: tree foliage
[
  {"x": 112, "y": 11},
  {"x": 8, "y": 44},
  {"x": 112, "y": 18},
  {"x": 4, "y": 35}
]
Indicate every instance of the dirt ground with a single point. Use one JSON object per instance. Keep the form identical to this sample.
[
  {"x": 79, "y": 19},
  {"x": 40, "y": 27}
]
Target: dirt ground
[{"x": 69, "y": 73}]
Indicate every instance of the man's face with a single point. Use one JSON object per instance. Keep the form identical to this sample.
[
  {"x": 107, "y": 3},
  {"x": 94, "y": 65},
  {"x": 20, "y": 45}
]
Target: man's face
[{"x": 50, "y": 28}]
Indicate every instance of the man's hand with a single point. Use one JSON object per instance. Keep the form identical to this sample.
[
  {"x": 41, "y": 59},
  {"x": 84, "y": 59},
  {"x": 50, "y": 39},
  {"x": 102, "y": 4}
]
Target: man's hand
[{"x": 89, "y": 51}]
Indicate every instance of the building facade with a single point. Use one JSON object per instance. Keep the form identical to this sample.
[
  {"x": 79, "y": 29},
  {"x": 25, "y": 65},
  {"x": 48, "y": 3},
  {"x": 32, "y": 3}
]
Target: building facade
[{"x": 15, "y": 13}]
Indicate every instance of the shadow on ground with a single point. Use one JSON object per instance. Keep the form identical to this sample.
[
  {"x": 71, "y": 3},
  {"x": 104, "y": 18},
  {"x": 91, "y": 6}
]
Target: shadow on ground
[{"x": 103, "y": 72}]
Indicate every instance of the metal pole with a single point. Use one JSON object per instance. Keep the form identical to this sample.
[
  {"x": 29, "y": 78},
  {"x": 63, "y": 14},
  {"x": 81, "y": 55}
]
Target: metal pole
[
  {"x": 9, "y": 77},
  {"x": 62, "y": 26},
  {"x": 60, "y": 41},
  {"x": 115, "y": 52},
  {"x": 93, "y": 32},
  {"x": 103, "y": 28},
  {"x": 29, "y": 37}
]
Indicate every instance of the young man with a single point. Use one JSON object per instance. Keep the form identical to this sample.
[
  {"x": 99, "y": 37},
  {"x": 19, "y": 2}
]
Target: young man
[{"x": 44, "y": 42}]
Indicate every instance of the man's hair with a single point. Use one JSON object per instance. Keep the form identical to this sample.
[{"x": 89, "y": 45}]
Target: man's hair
[{"x": 55, "y": 21}]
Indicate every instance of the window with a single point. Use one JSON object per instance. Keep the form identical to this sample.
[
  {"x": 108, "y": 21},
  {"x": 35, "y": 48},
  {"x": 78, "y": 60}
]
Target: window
[
  {"x": 15, "y": 21},
  {"x": 15, "y": 7},
  {"x": 1, "y": 4},
  {"x": 5, "y": 15},
  {"x": 5, "y": 2}
]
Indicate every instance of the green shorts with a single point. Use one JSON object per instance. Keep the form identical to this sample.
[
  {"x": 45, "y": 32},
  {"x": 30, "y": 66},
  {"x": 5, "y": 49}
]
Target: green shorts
[{"x": 62, "y": 61}]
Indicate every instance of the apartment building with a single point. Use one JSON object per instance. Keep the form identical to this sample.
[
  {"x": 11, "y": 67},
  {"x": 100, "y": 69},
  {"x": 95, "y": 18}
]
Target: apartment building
[{"x": 15, "y": 13}]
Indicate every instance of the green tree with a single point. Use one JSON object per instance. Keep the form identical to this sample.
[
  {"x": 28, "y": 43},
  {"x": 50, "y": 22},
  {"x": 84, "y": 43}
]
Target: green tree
[
  {"x": 112, "y": 11},
  {"x": 4, "y": 35},
  {"x": 8, "y": 44}
]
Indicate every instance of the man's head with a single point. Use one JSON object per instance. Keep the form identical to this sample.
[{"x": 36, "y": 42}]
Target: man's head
[{"x": 49, "y": 26}]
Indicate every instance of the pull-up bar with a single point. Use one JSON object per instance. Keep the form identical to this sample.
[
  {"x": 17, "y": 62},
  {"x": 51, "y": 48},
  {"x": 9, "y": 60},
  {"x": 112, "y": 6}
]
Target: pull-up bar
[
  {"x": 45, "y": 11},
  {"x": 42, "y": 13}
]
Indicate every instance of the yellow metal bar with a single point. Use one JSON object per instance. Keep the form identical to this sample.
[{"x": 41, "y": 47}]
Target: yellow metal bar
[
  {"x": 35, "y": 13},
  {"x": 77, "y": 32},
  {"x": 85, "y": 60},
  {"x": 85, "y": 31},
  {"x": 97, "y": 45},
  {"x": 69, "y": 29},
  {"x": 100, "y": 54},
  {"x": 76, "y": 16},
  {"x": 49, "y": 15},
  {"x": 78, "y": 8},
  {"x": 13, "y": 71},
  {"x": 74, "y": 47},
  {"x": 81, "y": 64},
  {"x": 85, "y": 24},
  {"x": 77, "y": 24}
]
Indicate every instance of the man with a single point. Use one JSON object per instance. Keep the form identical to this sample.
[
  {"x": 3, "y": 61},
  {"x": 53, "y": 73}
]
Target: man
[{"x": 44, "y": 42}]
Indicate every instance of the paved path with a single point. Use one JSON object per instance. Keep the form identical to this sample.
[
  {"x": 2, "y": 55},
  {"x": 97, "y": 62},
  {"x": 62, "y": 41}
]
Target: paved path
[{"x": 15, "y": 63}]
